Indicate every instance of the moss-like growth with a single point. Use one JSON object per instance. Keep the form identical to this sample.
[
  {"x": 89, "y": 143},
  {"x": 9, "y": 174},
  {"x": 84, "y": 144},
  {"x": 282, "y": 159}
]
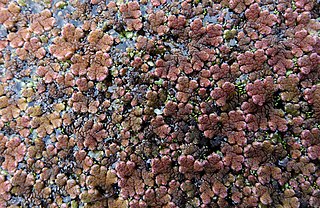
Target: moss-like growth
[{"x": 229, "y": 34}]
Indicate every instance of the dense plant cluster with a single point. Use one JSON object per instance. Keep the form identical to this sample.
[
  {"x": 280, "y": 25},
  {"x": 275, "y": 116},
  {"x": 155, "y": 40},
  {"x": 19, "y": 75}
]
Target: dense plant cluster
[{"x": 160, "y": 103}]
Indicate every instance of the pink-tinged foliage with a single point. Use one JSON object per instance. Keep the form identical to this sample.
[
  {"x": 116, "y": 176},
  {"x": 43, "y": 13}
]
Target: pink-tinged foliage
[
  {"x": 125, "y": 169},
  {"x": 290, "y": 16},
  {"x": 252, "y": 122},
  {"x": 131, "y": 13},
  {"x": 309, "y": 63},
  {"x": 167, "y": 69},
  {"x": 42, "y": 22},
  {"x": 281, "y": 60},
  {"x": 220, "y": 189},
  {"x": 186, "y": 163},
  {"x": 260, "y": 90},
  {"x": 221, "y": 95},
  {"x": 157, "y": 22},
  {"x": 159, "y": 103},
  {"x": 314, "y": 152},
  {"x": 289, "y": 86},
  {"x": 170, "y": 108},
  {"x": 250, "y": 61},
  {"x": 233, "y": 125},
  {"x": 158, "y": 2},
  {"x": 214, "y": 35},
  {"x": 5, "y": 185},
  {"x": 100, "y": 41},
  {"x": 305, "y": 4},
  {"x": 213, "y": 163},
  {"x": 277, "y": 121},
  {"x": 19, "y": 38},
  {"x": 313, "y": 97},
  {"x": 204, "y": 78},
  {"x": 310, "y": 140},
  {"x": 265, "y": 173},
  {"x": 14, "y": 153},
  {"x": 233, "y": 157},
  {"x": 99, "y": 67},
  {"x": 200, "y": 56},
  {"x": 184, "y": 111},
  {"x": 159, "y": 127},
  {"x": 208, "y": 124},
  {"x": 234, "y": 120},
  {"x": 185, "y": 87},
  {"x": 239, "y": 5},
  {"x": 8, "y": 16},
  {"x": 35, "y": 47},
  {"x": 161, "y": 165},
  {"x": 197, "y": 28},
  {"x": 219, "y": 72},
  {"x": 79, "y": 64},
  {"x": 48, "y": 73},
  {"x": 176, "y": 22},
  {"x": 79, "y": 102},
  {"x": 260, "y": 20},
  {"x": 66, "y": 80},
  {"x": 65, "y": 45},
  {"x": 302, "y": 42}
]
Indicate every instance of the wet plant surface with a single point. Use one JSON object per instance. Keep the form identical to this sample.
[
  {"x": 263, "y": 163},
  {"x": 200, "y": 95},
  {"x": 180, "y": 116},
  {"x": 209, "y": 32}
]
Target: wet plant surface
[{"x": 159, "y": 103}]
